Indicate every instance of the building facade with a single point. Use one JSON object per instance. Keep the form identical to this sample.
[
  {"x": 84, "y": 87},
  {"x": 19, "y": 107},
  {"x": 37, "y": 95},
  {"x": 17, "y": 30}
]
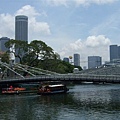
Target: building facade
[
  {"x": 66, "y": 59},
  {"x": 76, "y": 59},
  {"x": 114, "y": 52},
  {"x": 94, "y": 61},
  {"x": 21, "y": 27},
  {"x": 3, "y": 40}
]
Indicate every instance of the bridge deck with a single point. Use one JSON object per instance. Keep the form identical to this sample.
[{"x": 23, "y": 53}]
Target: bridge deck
[
  {"x": 104, "y": 74},
  {"x": 66, "y": 78}
]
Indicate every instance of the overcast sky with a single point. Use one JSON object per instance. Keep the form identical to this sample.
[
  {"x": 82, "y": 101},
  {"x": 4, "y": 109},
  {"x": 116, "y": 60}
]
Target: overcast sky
[{"x": 86, "y": 27}]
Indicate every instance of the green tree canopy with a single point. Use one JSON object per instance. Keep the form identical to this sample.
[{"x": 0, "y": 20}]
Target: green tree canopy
[
  {"x": 37, "y": 51},
  {"x": 39, "y": 54},
  {"x": 21, "y": 47}
]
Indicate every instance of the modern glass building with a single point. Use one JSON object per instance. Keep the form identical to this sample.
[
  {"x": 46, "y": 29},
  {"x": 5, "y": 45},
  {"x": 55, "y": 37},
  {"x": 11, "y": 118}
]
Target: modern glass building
[
  {"x": 94, "y": 61},
  {"x": 3, "y": 40},
  {"x": 77, "y": 59},
  {"x": 114, "y": 52},
  {"x": 66, "y": 59},
  {"x": 21, "y": 27}
]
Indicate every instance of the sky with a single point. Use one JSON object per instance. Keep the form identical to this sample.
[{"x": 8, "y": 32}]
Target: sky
[{"x": 86, "y": 27}]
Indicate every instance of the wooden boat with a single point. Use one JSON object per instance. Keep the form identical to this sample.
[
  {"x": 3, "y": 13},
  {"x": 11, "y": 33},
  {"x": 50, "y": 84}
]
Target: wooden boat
[
  {"x": 11, "y": 90},
  {"x": 52, "y": 89}
]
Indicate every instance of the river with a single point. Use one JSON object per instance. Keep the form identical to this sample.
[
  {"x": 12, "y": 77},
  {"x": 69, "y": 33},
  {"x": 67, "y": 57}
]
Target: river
[{"x": 83, "y": 102}]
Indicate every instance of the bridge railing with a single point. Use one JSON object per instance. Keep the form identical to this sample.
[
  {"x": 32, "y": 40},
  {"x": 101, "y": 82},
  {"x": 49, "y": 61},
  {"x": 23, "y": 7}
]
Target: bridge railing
[
  {"x": 71, "y": 77},
  {"x": 84, "y": 77}
]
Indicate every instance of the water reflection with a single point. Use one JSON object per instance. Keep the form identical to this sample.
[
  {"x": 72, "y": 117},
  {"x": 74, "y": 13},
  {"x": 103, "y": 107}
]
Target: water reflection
[{"x": 83, "y": 102}]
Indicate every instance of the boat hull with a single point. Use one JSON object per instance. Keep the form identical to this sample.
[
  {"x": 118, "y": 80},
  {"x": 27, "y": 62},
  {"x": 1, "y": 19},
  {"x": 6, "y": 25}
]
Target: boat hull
[
  {"x": 53, "y": 92},
  {"x": 10, "y": 92}
]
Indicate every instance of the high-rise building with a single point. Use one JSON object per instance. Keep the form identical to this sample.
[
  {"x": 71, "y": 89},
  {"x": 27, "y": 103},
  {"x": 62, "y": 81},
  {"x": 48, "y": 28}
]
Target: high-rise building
[
  {"x": 114, "y": 52},
  {"x": 21, "y": 27},
  {"x": 77, "y": 59},
  {"x": 3, "y": 40},
  {"x": 94, "y": 61},
  {"x": 66, "y": 59}
]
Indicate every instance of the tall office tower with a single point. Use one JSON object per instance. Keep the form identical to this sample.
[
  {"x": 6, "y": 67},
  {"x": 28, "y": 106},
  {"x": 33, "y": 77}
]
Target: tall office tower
[
  {"x": 77, "y": 59},
  {"x": 94, "y": 61},
  {"x": 3, "y": 40},
  {"x": 21, "y": 30},
  {"x": 21, "y": 27},
  {"x": 114, "y": 52}
]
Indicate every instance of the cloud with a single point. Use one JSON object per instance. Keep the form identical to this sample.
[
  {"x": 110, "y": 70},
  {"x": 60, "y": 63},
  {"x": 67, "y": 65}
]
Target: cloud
[
  {"x": 86, "y": 2},
  {"x": 27, "y": 10},
  {"x": 57, "y": 2},
  {"x": 7, "y": 25},
  {"x": 92, "y": 46},
  {"x": 36, "y": 28},
  {"x": 93, "y": 41},
  {"x": 78, "y": 2}
]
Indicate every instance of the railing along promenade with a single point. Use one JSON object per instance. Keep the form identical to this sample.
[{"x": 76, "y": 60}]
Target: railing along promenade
[{"x": 67, "y": 78}]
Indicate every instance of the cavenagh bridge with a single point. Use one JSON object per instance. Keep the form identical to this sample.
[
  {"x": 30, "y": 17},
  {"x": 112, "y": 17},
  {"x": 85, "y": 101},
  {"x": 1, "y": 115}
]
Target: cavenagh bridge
[{"x": 17, "y": 73}]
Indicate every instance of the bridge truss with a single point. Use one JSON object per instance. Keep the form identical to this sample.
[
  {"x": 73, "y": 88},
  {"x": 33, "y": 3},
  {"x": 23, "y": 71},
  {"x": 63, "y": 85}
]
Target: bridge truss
[{"x": 21, "y": 71}]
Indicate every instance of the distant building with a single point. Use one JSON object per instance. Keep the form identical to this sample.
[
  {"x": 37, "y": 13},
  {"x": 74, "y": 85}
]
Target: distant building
[
  {"x": 119, "y": 52},
  {"x": 66, "y": 59},
  {"x": 84, "y": 67},
  {"x": 3, "y": 40},
  {"x": 94, "y": 61},
  {"x": 77, "y": 59},
  {"x": 21, "y": 30},
  {"x": 21, "y": 27},
  {"x": 114, "y": 52},
  {"x": 112, "y": 63}
]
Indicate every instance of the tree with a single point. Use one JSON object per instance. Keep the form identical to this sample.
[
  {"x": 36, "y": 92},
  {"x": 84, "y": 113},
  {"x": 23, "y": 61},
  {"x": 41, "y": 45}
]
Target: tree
[
  {"x": 38, "y": 50},
  {"x": 21, "y": 47},
  {"x": 4, "y": 56},
  {"x": 39, "y": 54}
]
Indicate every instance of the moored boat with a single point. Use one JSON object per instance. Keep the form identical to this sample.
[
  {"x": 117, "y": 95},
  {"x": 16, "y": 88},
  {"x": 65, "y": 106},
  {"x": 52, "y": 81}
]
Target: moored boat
[
  {"x": 11, "y": 90},
  {"x": 52, "y": 89}
]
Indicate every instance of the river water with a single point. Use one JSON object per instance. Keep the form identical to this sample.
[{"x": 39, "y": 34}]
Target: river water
[{"x": 83, "y": 102}]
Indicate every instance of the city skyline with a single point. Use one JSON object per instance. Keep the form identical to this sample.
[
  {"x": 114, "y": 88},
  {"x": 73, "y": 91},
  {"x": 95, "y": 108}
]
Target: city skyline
[{"x": 84, "y": 27}]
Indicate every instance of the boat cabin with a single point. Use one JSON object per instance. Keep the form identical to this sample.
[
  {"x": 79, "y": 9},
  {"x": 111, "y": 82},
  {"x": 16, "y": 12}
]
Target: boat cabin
[{"x": 52, "y": 89}]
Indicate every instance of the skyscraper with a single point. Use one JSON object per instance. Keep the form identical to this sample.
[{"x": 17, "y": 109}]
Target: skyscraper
[
  {"x": 76, "y": 59},
  {"x": 3, "y": 40},
  {"x": 114, "y": 52},
  {"x": 94, "y": 61},
  {"x": 21, "y": 27}
]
